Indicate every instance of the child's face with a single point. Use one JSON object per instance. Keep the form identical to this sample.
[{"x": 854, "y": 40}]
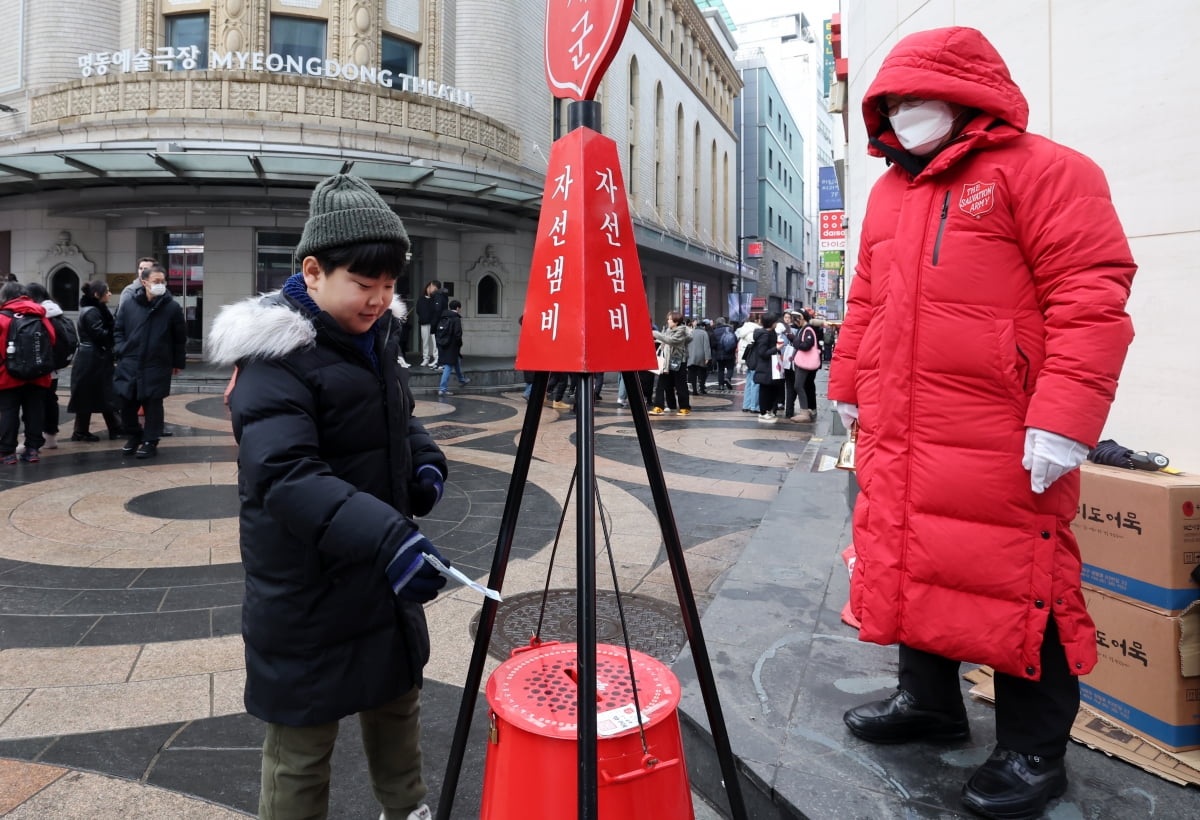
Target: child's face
[{"x": 355, "y": 302}]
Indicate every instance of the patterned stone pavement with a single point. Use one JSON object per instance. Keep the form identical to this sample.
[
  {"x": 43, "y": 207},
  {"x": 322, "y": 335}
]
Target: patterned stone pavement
[{"x": 121, "y": 663}]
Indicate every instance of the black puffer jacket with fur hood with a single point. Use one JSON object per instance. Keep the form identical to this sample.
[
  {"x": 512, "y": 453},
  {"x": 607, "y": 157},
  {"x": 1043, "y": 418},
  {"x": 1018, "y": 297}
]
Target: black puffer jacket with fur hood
[{"x": 328, "y": 446}]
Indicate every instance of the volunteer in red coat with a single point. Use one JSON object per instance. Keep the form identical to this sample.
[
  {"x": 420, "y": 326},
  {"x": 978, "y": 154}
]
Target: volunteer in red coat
[{"x": 984, "y": 335}]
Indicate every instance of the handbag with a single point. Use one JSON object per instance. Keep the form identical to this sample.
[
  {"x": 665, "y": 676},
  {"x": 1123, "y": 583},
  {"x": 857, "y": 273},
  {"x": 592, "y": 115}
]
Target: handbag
[
  {"x": 776, "y": 366},
  {"x": 809, "y": 359}
]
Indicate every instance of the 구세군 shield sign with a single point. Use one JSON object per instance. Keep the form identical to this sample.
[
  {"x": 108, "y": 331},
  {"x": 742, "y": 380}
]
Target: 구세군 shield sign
[{"x": 582, "y": 37}]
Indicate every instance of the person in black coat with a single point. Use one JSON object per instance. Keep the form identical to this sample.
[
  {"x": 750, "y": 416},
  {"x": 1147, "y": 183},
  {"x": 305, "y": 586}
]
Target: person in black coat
[
  {"x": 449, "y": 335},
  {"x": 332, "y": 468},
  {"x": 92, "y": 368},
  {"x": 766, "y": 346},
  {"x": 150, "y": 342}
]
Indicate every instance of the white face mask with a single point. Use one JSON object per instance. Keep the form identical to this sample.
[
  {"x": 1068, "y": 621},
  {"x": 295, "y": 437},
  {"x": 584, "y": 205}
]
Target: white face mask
[
  {"x": 158, "y": 290},
  {"x": 921, "y": 126}
]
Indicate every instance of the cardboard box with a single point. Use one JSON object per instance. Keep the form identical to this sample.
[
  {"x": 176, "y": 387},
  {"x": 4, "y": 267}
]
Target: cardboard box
[
  {"x": 1139, "y": 535},
  {"x": 1148, "y": 674}
]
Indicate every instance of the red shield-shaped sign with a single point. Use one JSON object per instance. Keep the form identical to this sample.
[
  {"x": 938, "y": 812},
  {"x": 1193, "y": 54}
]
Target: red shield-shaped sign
[
  {"x": 582, "y": 37},
  {"x": 585, "y": 310},
  {"x": 978, "y": 198}
]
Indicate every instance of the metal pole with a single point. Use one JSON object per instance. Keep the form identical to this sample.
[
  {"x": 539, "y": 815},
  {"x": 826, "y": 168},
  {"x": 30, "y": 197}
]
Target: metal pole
[
  {"x": 585, "y": 538},
  {"x": 487, "y": 618},
  {"x": 687, "y": 600}
]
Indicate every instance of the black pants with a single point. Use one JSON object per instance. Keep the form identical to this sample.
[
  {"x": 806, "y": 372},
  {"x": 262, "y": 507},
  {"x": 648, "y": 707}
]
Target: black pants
[
  {"x": 50, "y": 414},
  {"x": 26, "y": 400},
  {"x": 153, "y": 414},
  {"x": 1032, "y": 717},
  {"x": 672, "y": 390},
  {"x": 697, "y": 378},
  {"x": 83, "y": 423},
  {"x": 769, "y": 395},
  {"x": 806, "y": 386},
  {"x": 725, "y": 373}
]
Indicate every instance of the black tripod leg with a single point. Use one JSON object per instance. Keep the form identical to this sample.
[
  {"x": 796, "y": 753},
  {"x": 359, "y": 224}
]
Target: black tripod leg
[
  {"x": 585, "y": 590},
  {"x": 487, "y": 618},
  {"x": 683, "y": 589}
]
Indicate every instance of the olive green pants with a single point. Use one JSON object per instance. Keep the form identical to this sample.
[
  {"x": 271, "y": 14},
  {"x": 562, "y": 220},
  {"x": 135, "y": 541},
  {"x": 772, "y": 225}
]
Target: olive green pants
[{"x": 295, "y": 767}]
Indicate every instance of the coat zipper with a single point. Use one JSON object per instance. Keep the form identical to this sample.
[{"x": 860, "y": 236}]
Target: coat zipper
[{"x": 937, "y": 245}]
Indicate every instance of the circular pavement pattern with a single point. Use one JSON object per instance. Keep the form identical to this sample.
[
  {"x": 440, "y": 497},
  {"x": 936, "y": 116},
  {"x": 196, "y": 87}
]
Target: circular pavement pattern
[{"x": 655, "y": 627}]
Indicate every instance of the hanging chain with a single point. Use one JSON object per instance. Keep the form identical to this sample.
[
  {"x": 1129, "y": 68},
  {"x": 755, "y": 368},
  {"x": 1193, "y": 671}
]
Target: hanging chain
[{"x": 612, "y": 564}]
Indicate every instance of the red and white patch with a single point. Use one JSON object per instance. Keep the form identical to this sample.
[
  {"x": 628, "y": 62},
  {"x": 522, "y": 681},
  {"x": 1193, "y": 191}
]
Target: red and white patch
[{"x": 977, "y": 199}]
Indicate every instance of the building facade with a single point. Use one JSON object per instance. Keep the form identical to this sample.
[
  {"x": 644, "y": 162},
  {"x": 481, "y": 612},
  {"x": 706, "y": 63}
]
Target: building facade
[{"x": 193, "y": 131}]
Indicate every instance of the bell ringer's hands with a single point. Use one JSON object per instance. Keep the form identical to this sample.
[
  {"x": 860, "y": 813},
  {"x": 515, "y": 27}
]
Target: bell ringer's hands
[
  {"x": 848, "y": 412},
  {"x": 411, "y": 576},
  {"x": 1049, "y": 456},
  {"x": 425, "y": 491}
]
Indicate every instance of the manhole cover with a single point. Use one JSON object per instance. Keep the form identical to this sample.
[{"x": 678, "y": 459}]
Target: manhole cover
[
  {"x": 188, "y": 503},
  {"x": 655, "y": 627},
  {"x": 445, "y": 431}
]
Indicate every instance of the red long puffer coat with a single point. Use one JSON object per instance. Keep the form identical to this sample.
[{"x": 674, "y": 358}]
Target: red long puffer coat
[{"x": 989, "y": 297}]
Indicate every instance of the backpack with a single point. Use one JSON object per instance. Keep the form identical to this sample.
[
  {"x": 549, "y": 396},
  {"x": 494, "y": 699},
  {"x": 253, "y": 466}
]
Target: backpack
[
  {"x": 442, "y": 332},
  {"x": 28, "y": 354},
  {"x": 66, "y": 341},
  {"x": 726, "y": 343}
]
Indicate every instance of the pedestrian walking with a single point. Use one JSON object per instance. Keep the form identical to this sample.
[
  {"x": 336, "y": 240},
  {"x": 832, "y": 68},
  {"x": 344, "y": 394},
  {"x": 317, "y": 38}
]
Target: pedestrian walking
[
  {"x": 449, "y": 335},
  {"x": 149, "y": 339},
  {"x": 65, "y": 344},
  {"x": 698, "y": 358},
  {"x": 985, "y": 332},
  {"x": 92, "y": 369},
  {"x": 26, "y": 371},
  {"x": 333, "y": 468},
  {"x": 724, "y": 351}
]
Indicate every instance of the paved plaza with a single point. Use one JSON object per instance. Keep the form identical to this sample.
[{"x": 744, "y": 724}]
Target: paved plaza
[{"x": 121, "y": 665}]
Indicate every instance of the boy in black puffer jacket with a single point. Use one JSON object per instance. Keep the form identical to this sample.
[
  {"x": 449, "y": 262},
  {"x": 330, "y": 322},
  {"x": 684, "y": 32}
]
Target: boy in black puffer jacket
[{"x": 332, "y": 467}]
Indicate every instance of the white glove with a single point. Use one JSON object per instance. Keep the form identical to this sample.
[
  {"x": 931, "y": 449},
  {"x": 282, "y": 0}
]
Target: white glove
[
  {"x": 1049, "y": 456},
  {"x": 848, "y": 412}
]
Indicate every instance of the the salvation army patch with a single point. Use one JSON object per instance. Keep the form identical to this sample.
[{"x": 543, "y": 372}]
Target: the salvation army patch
[{"x": 978, "y": 198}]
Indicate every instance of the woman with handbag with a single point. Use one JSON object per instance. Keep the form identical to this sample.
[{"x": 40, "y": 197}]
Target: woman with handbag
[
  {"x": 673, "y": 377},
  {"x": 805, "y": 365}
]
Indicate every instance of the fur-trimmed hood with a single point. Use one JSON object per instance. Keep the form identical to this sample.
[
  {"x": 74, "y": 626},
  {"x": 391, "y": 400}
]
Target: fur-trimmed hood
[{"x": 265, "y": 327}]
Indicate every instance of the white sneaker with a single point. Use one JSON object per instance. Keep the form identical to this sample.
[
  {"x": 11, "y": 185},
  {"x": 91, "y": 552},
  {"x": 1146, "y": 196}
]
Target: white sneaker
[
  {"x": 51, "y": 441},
  {"x": 422, "y": 813}
]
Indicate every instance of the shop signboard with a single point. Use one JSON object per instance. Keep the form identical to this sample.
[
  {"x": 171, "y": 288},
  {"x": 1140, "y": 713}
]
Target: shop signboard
[{"x": 832, "y": 235}]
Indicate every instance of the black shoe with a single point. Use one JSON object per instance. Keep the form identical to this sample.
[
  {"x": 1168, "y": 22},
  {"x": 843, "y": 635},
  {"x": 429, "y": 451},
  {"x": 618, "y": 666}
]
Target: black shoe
[
  {"x": 899, "y": 720},
  {"x": 1014, "y": 786},
  {"x": 149, "y": 449},
  {"x": 84, "y": 437},
  {"x": 166, "y": 433},
  {"x": 131, "y": 445}
]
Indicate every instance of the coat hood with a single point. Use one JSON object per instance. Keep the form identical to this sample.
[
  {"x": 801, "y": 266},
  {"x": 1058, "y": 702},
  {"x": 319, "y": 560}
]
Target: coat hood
[
  {"x": 957, "y": 65},
  {"x": 265, "y": 327},
  {"x": 23, "y": 304},
  {"x": 52, "y": 309}
]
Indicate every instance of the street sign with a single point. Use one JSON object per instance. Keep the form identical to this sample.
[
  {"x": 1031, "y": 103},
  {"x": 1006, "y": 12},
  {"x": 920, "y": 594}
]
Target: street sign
[
  {"x": 581, "y": 40},
  {"x": 754, "y": 250},
  {"x": 585, "y": 310}
]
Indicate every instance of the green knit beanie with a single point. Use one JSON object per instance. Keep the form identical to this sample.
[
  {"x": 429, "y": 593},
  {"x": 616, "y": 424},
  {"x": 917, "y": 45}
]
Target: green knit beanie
[{"x": 344, "y": 210}]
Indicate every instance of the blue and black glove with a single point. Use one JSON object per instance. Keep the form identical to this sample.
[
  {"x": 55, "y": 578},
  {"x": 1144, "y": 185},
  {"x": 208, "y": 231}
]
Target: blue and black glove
[
  {"x": 426, "y": 490},
  {"x": 412, "y": 579}
]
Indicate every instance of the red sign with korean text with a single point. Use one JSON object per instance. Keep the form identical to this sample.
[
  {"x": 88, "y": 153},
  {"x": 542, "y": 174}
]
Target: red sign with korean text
[
  {"x": 585, "y": 310},
  {"x": 832, "y": 236},
  {"x": 582, "y": 37}
]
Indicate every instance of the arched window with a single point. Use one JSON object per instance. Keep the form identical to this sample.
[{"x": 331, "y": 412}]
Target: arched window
[
  {"x": 696, "y": 182},
  {"x": 679, "y": 166},
  {"x": 64, "y": 288},
  {"x": 633, "y": 166},
  {"x": 487, "y": 294},
  {"x": 713, "y": 178},
  {"x": 725, "y": 197},
  {"x": 659, "y": 116}
]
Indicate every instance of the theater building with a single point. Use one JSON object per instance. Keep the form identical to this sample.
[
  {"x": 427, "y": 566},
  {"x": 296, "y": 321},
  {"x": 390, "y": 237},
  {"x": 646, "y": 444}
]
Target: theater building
[{"x": 193, "y": 131}]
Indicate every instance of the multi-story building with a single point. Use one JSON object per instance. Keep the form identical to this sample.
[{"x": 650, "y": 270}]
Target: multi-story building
[
  {"x": 194, "y": 130},
  {"x": 773, "y": 187}
]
